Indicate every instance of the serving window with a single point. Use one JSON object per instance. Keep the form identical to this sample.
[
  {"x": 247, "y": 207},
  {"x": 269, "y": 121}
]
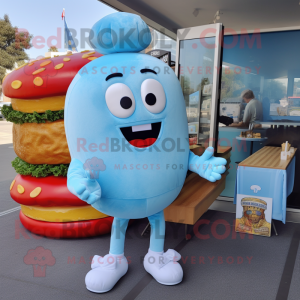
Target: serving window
[{"x": 268, "y": 64}]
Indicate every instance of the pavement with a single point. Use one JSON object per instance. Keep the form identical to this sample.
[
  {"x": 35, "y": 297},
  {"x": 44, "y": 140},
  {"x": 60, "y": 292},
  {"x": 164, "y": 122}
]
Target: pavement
[
  {"x": 7, "y": 174},
  {"x": 5, "y": 132},
  {"x": 217, "y": 262}
]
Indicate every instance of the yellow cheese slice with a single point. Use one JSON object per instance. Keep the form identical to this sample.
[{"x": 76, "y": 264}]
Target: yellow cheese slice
[
  {"x": 62, "y": 213},
  {"x": 38, "y": 105}
]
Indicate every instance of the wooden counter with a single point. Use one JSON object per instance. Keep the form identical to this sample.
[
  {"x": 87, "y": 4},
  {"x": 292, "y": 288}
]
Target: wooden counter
[
  {"x": 267, "y": 157},
  {"x": 197, "y": 194}
]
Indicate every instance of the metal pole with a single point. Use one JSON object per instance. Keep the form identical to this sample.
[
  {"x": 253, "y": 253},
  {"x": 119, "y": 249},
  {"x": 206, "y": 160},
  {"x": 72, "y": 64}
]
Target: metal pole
[{"x": 274, "y": 227}]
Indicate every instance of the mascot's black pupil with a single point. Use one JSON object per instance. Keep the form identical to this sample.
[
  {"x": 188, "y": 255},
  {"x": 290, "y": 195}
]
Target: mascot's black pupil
[
  {"x": 150, "y": 99},
  {"x": 126, "y": 102}
]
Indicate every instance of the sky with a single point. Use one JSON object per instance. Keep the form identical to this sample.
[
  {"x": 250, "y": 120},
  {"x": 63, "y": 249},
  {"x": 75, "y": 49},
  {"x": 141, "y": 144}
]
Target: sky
[{"x": 43, "y": 20}]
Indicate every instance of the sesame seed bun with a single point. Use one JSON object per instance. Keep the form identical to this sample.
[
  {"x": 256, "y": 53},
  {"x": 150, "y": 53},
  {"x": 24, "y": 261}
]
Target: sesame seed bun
[{"x": 48, "y": 77}]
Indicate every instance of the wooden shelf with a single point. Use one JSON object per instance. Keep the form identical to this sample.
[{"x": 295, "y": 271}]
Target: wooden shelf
[
  {"x": 197, "y": 193},
  {"x": 195, "y": 198},
  {"x": 221, "y": 152}
]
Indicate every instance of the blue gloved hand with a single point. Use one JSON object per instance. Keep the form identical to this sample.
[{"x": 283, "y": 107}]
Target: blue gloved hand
[
  {"x": 206, "y": 165},
  {"x": 81, "y": 184}
]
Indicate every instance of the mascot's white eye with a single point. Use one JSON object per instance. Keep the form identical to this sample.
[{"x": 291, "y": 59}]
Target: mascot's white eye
[
  {"x": 120, "y": 100},
  {"x": 153, "y": 95}
]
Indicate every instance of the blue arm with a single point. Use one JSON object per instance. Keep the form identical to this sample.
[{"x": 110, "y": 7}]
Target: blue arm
[
  {"x": 206, "y": 165},
  {"x": 80, "y": 183}
]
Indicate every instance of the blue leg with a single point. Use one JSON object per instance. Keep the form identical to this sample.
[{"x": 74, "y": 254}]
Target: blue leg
[
  {"x": 117, "y": 239},
  {"x": 162, "y": 266},
  {"x": 157, "y": 238}
]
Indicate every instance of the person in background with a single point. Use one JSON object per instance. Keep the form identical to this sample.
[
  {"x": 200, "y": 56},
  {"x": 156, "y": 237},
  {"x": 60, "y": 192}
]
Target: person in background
[{"x": 253, "y": 111}]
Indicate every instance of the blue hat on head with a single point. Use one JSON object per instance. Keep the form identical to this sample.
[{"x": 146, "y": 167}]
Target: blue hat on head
[{"x": 120, "y": 32}]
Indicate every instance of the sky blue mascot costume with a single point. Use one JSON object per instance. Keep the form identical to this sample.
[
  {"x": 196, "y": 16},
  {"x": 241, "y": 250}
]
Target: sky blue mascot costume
[{"x": 127, "y": 132}]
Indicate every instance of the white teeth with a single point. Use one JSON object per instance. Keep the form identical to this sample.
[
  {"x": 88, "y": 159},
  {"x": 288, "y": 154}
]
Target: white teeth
[{"x": 143, "y": 127}]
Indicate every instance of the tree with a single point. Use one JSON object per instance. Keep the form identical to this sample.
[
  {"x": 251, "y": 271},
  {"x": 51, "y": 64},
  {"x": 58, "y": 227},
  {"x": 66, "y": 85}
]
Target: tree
[
  {"x": 13, "y": 43},
  {"x": 201, "y": 85},
  {"x": 186, "y": 85},
  {"x": 275, "y": 90},
  {"x": 231, "y": 84}
]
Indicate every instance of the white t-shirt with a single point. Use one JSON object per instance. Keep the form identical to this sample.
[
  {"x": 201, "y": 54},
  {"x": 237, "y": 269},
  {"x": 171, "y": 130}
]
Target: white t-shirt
[{"x": 253, "y": 112}]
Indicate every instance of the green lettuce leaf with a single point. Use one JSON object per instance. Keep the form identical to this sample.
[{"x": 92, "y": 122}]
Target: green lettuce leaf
[
  {"x": 24, "y": 168},
  {"x": 19, "y": 117}
]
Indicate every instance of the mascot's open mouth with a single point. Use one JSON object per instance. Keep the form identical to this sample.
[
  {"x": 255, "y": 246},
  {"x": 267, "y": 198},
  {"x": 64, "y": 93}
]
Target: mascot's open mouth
[{"x": 142, "y": 136}]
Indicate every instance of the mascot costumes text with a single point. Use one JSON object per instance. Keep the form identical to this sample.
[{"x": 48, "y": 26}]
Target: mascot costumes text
[{"x": 127, "y": 131}]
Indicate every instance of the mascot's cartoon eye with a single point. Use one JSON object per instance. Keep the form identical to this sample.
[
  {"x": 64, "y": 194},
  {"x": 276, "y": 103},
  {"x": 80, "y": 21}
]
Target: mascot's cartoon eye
[
  {"x": 120, "y": 100},
  {"x": 153, "y": 95},
  {"x": 126, "y": 102}
]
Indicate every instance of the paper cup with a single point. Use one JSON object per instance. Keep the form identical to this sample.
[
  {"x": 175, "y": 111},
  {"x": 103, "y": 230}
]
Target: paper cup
[{"x": 283, "y": 155}]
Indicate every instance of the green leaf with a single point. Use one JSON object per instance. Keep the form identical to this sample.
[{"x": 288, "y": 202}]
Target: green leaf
[
  {"x": 19, "y": 117},
  {"x": 24, "y": 168}
]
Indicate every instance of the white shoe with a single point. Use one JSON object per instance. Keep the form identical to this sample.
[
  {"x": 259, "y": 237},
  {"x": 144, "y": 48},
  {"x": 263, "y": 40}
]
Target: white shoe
[
  {"x": 106, "y": 272},
  {"x": 164, "y": 266}
]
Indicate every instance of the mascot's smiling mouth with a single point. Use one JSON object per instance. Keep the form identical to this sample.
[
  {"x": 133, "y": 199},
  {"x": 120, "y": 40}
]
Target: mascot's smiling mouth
[{"x": 142, "y": 136}]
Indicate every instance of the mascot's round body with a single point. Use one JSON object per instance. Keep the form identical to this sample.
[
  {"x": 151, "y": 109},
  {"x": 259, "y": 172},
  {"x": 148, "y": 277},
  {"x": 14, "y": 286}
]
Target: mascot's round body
[
  {"x": 127, "y": 131},
  {"x": 137, "y": 182}
]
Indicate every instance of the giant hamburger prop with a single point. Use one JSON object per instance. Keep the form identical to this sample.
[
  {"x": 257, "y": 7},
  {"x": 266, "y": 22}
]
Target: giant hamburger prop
[{"x": 37, "y": 91}]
